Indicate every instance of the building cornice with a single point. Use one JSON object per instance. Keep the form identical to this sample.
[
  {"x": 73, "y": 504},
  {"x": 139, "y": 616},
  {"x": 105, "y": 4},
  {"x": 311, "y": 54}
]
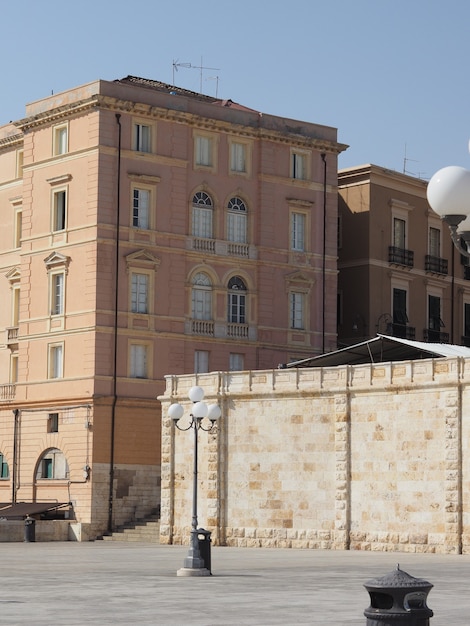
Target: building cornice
[{"x": 182, "y": 117}]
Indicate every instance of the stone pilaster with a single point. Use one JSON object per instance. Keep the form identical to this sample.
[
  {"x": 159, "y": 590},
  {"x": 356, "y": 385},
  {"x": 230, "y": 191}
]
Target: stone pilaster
[
  {"x": 453, "y": 474},
  {"x": 342, "y": 471}
]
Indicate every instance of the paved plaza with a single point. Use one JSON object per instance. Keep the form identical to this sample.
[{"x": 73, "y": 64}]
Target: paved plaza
[{"x": 101, "y": 583}]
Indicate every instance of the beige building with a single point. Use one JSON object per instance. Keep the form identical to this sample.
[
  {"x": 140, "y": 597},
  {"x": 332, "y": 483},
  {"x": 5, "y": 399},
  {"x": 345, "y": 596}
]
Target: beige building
[
  {"x": 363, "y": 457},
  {"x": 399, "y": 273},
  {"x": 147, "y": 230}
]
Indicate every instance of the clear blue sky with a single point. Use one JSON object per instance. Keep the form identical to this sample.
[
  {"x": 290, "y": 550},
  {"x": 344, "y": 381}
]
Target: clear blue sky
[{"x": 391, "y": 75}]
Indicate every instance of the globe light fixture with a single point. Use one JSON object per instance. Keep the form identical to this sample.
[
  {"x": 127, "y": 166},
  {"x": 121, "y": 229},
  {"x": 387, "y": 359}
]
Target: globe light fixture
[
  {"x": 448, "y": 195},
  {"x": 202, "y": 417}
]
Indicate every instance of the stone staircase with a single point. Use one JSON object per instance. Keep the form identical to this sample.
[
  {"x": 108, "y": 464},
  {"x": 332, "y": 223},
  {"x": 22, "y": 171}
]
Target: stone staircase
[{"x": 146, "y": 530}]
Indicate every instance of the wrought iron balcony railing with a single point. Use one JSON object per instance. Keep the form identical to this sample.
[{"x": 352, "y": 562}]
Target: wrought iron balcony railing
[
  {"x": 400, "y": 256},
  {"x": 435, "y": 264},
  {"x": 435, "y": 336},
  {"x": 403, "y": 331}
]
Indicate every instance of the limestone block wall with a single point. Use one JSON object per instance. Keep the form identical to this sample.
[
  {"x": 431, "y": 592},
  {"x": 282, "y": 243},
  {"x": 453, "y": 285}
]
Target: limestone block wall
[{"x": 370, "y": 457}]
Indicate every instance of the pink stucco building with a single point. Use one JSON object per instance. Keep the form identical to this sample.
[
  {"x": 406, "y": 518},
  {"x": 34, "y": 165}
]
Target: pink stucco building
[{"x": 147, "y": 230}]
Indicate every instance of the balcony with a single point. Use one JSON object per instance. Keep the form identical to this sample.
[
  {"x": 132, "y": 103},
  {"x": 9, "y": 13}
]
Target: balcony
[
  {"x": 202, "y": 327},
  {"x": 435, "y": 336},
  {"x": 435, "y": 264},
  {"x": 402, "y": 330},
  {"x": 203, "y": 245},
  {"x": 400, "y": 256},
  {"x": 237, "y": 331},
  {"x": 7, "y": 392},
  {"x": 12, "y": 335},
  {"x": 238, "y": 249}
]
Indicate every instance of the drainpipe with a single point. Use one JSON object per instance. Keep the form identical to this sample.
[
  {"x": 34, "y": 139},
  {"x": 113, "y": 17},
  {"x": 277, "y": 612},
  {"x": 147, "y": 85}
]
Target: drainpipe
[
  {"x": 323, "y": 157},
  {"x": 14, "y": 473},
  {"x": 116, "y": 298}
]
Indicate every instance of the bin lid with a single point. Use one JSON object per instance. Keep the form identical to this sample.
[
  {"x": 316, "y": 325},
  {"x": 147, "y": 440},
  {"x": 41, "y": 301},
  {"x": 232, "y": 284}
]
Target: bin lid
[{"x": 398, "y": 579}]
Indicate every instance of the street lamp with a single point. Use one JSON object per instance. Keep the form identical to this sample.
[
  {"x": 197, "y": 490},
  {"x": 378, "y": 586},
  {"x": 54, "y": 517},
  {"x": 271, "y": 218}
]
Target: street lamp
[
  {"x": 194, "y": 564},
  {"x": 448, "y": 194}
]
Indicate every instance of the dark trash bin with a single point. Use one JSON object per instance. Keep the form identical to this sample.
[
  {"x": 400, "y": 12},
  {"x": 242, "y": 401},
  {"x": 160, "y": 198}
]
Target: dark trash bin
[
  {"x": 204, "y": 542},
  {"x": 398, "y": 599},
  {"x": 29, "y": 529}
]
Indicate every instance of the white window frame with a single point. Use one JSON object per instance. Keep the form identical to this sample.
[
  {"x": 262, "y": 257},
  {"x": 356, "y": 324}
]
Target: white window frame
[
  {"x": 56, "y": 360},
  {"x": 205, "y": 151},
  {"x": 297, "y": 303},
  {"x": 298, "y": 230},
  {"x": 139, "y": 360},
  {"x": 19, "y": 163},
  {"x": 236, "y": 362},
  {"x": 201, "y": 297},
  {"x": 201, "y": 361},
  {"x": 140, "y": 291},
  {"x": 59, "y": 209},
  {"x": 14, "y": 360},
  {"x": 57, "y": 292},
  {"x": 60, "y": 139},
  {"x": 299, "y": 164},
  {"x": 142, "y": 136},
  {"x": 18, "y": 226},
  {"x": 141, "y": 203},
  {"x": 202, "y": 217},
  {"x": 237, "y": 221},
  {"x": 238, "y": 157}
]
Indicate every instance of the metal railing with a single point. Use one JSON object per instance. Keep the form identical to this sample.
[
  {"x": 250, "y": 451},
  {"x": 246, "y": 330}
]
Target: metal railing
[
  {"x": 435, "y": 264},
  {"x": 400, "y": 256},
  {"x": 435, "y": 336},
  {"x": 403, "y": 331}
]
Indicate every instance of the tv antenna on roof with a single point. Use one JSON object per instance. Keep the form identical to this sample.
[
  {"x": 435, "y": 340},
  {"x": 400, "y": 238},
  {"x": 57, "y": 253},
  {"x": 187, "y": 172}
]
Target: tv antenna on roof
[
  {"x": 405, "y": 161},
  {"x": 201, "y": 67}
]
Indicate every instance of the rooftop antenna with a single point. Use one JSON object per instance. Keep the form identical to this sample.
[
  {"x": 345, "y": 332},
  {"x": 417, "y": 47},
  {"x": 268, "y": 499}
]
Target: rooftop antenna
[
  {"x": 216, "y": 78},
  {"x": 201, "y": 67},
  {"x": 176, "y": 65},
  {"x": 405, "y": 162}
]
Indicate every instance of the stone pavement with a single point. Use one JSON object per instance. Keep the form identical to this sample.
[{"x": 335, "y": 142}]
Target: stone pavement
[{"x": 99, "y": 584}]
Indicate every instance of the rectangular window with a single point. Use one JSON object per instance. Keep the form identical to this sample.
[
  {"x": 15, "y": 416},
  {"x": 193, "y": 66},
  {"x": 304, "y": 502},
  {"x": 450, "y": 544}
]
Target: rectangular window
[
  {"x": 18, "y": 227},
  {"x": 201, "y": 361},
  {"x": 434, "y": 311},
  {"x": 53, "y": 423},
  {"x": 296, "y": 304},
  {"x": 140, "y": 208},
  {"x": 4, "y": 473},
  {"x": 236, "y": 227},
  {"x": 60, "y": 140},
  {"x": 15, "y": 316},
  {"x": 47, "y": 468},
  {"x": 237, "y": 157},
  {"x": 14, "y": 368},
  {"x": 56, "y": 352},
  {"x": 236, "y": 308},
  {"x": 399, "y": 227},
  {"x": 59, "y": 209},
  {"x": 298, "y": 231},
  {"x": 142, "y": 138},
  {"x": 298, "y": 166},
  {"x": 201, "y": 304},
  {"x": 236, "y": 362},
  {"x": 435, "y": 242},
  {"x": 19, "y": 163},
  {"x": 204, "y": 151},
  {"x": 139, "y": 293},
  {"x": 466, "y": 321},
  {"x": 202, "y": 222},
  {"x": 138, "y": 360},
  {"x": 399, "y": 307},
  {"x": 57, "y": 294}
]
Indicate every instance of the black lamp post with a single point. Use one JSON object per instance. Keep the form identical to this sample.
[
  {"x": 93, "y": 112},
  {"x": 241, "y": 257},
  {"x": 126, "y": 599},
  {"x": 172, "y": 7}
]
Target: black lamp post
[{"x": 194, "y": 564}]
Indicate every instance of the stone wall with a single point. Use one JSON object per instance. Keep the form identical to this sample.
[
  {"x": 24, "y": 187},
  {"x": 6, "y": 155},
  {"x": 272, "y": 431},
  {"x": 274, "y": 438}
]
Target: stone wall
[{"x": 369, "y": 457}]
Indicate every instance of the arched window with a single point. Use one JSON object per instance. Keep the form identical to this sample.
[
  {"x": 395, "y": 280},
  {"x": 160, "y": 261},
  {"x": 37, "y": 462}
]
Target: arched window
[
  {"x": 201, "y": 297},
  {"x": 236, "y": 220},
  {"x": 203, "y": 209},
  {"x": 236, "y": 306},
  {"x": 53, "y": 464}
]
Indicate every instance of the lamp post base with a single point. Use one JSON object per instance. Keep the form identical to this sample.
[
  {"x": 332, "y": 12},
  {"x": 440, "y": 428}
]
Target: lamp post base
[{"x": 193, "y": 571}]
